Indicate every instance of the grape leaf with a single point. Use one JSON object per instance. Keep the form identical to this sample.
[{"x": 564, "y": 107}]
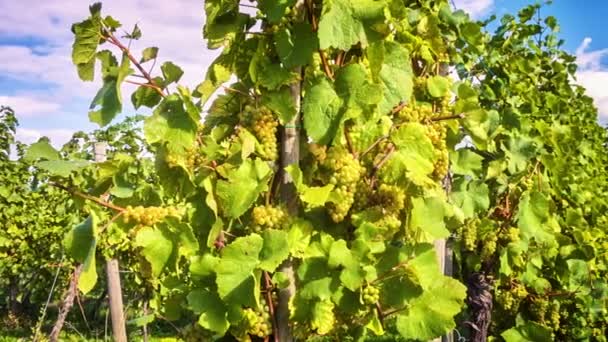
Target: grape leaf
[
  {"x": 296, "y": 46},
  {"x": 235, "y": 277},
  {"x": 345, "y": 23},
  {"x": 171, "y": 72},
  {"x": 171, "y": 125},
  {"x": 432, "y": 314},
  {"x": 157, "y": 247},
  {"x": 243, "y": 187},
  {"x": 321, "y": 110},
  {"x": 41, "y": 149},
  {"x": 213, "y": 312},
  {"x": 466, "y": 162},
  {"x": 275, "y": 249}
]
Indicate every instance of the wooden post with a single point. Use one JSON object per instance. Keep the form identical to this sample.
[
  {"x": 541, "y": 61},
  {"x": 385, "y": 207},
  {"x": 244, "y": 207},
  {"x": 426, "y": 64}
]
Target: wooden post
[
  {"x": 290, "y": 154},
  {"x": 112, "y": 271}
]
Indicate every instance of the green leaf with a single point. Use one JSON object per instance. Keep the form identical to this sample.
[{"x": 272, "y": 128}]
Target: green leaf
[
  {"x": 395, "y": 75},
  {"x": 80, "y": 243},
  {"x": 470, "y": 196},
  {"x": 156, "y": 246},
  {"x": 244, "y": 185},
  {"x": 86, "y": 40},
  {"x": 268, "y": 74},
  {"x": 414, "y": 154},
  {"x": 41, "y": 150},
  {"x": 274, "y": 9},
  {"x": 275, "y": 249},
  {"x": 213, "y": 312},
  {"x": 321, "y": 110},
  {"x": 108, "y": 99},
  {"x": 345, "y": 23},
  {"x": 148, "y": 54},
  {"x": 218, "y": 73},
  {"x": 532, "y": 218},
  {"x": 466, "y": 162},
  {"x": 62, "y": 168},
  {"x": 432, "y": 314},
  {"x": 313, "y": 195},
  {"x": 236, "y": 283},
  {"x": 427, "y": 214},
  {"x": 296, "y": 46},
  {"x": 438, "y": 86},
  {"x": 171, "y": 72},
  {"x": 355, "y": 87},
  {"x": 281, "y": 103},
  {"x": 340, "y": 255},
  {"x": 146, "y": 96},
  {"x": 171, "y": 125},
  {"x": 204, "y": 265},
  {"x": 528, "y": 332}
]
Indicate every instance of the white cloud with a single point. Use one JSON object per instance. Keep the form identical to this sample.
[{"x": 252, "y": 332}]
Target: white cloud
[
  {"x": 475, "y": 8},
  {"x": 30, "y": 106},
  {"x": 593, "y": 75},
  {"x": 44, "y": 59},
  {"x": 58, "y": 137}
]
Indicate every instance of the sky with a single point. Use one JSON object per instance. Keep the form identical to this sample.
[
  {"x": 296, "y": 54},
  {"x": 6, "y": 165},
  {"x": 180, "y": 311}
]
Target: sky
[{"x": 38, "y": 80}]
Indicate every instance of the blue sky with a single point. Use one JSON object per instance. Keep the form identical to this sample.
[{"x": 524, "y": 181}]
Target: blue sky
[{"x": 38, "y": 80}]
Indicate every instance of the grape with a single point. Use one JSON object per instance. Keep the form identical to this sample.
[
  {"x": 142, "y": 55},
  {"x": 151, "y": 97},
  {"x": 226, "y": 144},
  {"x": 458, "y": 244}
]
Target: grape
[
  {"x": 261, "y": 121},
  {"x": 512, "y": 234},
  {"x": 489, "y": 247},
  {"x": 257, "y": 322},
  {"x": 269, "y": 217},
  {"x": 538, "y": 309},
  {"x": 371, "y": 294},
  {"x": 469, "y": 235},
  {"x": 391, "y": 198},
  {"x": 149, "y": 216},
  {"x": 344, "y": 171},
  {"x": 554, "y": 316}
]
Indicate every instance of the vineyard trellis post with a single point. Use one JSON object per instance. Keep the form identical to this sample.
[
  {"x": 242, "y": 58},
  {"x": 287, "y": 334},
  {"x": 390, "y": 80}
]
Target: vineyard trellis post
[{"x": 112, "y": 271}]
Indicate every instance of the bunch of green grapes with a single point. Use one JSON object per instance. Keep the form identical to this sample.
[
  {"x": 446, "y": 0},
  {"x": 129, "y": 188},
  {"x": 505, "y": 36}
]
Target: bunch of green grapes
[
  {"x": 363, "y": 195},
  {"x": 344, "y": 173},
  {"x": 511, "y": 234},
  {"x": 445, "y": 107},
  {"x": 390, "y": 223},
  {"x": 506, "y": 300},
  {"x": 148, "y": 216},
  {"x": 538, "y": 309},
  {"x": 262, "y": 122},
  {"x": 489, "y": 246},
  {"x": 469, "y": 235},
  {"x": 269, "y": 217},
  {"x": 437, "y": 132},
  {"x": 193, "y": 158},
  {"x": 390, "y": 197},
  {"x": 415, "y": 112},
  {"x": 257, "y": 323},
  {"x": 371, "y": 294},
  {"x": 510, "y": 299},
  {"x": 553, "y": 316}
]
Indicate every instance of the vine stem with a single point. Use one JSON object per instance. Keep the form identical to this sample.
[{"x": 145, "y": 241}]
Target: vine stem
[
  {"x": 449, "y": 117},
  {"x": 68, "y": 302},
  {"x": 377, "y": 167},
  {"x": 313, "y": 20},
  {"x": 88, "y": 197},
  {"x": 268, "y": 286},
  {"x": 114, "y": 41}
]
